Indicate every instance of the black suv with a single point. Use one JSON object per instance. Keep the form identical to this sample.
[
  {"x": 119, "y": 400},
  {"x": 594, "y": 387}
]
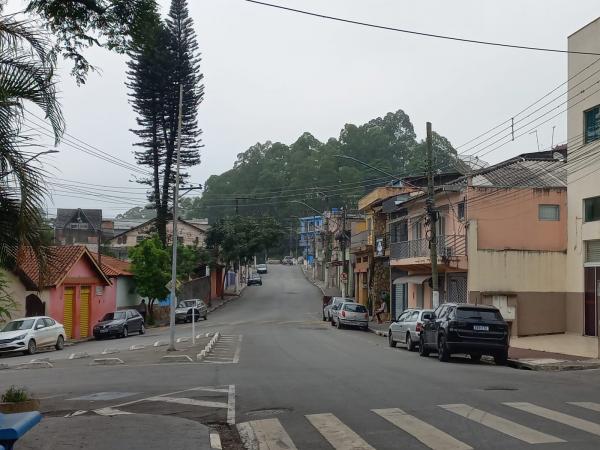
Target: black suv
[{"x": 465, "y": 328}]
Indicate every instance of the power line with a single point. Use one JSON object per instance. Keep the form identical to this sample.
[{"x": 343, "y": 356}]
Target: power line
[{"x": 418, "y": 33}]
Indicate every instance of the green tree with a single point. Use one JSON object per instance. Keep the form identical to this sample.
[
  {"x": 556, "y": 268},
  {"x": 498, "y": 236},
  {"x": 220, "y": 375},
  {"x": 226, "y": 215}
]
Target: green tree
[
  {"x": 7, "y": 303},
  {"x": 151, "y": 266}
]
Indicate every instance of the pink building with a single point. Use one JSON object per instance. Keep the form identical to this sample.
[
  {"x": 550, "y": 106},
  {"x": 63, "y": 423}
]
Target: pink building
[{"x": 74, "y": 290}]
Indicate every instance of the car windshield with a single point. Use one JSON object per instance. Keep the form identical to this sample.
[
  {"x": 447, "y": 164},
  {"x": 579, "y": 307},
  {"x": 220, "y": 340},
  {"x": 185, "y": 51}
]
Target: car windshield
[
  {"x": 355, "y": 307},
  {"x": 187, "y": 304},
  {"x": 117, "y": 315},
  {"x": 479, "y": 314},
  {"x": 17, "y": 325}
]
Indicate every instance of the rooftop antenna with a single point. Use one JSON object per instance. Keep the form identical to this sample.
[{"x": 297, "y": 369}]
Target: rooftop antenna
[
  {"x": 553, "y": 127},
  {"x": 536, "y": 138}
]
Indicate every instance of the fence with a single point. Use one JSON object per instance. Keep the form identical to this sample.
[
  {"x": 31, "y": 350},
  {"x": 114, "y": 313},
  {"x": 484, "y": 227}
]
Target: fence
[{"x": 448, "y": 246}]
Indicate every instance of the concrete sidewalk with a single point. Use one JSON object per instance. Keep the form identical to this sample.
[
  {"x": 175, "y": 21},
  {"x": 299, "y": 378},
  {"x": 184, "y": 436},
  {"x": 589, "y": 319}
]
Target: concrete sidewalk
[{"x": 122, "y": 432}]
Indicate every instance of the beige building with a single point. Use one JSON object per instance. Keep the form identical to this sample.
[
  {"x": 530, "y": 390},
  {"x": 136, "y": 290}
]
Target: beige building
[
  {"x": 583, "y": 122},
  {"x": 190, "y": 234}
]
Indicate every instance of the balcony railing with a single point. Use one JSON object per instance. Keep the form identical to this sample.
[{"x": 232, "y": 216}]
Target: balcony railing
[
  {"x": 448, "y": 246},
  {"x": 359, "y": 240}
]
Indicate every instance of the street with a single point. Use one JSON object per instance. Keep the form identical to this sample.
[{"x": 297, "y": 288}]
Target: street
[{"x": 299, "y": 383}]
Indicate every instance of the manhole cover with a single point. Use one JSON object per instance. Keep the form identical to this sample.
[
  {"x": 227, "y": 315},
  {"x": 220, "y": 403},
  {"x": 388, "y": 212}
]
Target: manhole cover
[
  {"x": 268, "y": 412},
  {"x": 500, "y": 388}
]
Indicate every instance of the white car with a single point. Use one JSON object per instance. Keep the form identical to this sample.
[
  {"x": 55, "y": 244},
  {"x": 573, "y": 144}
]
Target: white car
[
  {"x": 351, "y": 314},
  {"x": 31, "y": 333}
]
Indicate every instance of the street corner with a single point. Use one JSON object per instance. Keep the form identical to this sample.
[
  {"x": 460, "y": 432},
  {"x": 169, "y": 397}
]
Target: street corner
[{"x": 122, "y": 432}]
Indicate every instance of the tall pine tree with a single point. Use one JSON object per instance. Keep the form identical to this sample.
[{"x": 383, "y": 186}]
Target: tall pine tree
[{"x": 165, "y": 55}]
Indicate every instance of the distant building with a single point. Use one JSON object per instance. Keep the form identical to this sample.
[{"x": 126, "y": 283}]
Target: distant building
[
  {"x": 188, "y": 234},
  {"x": 78, "y": 227},
  {"x": 310, "y": 228}
]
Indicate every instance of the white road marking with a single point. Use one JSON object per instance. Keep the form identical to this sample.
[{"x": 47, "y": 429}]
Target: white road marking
[
  {"x": 587, "y": 405},
  {"x": 210, "y": 389},
  {"x": 267, "y": 434},
  {"x": 572, "y": 421},
  {"x": 187, "y": 401},
  {"x": 236, "y": 357},
  {"x": 215, "y": 440},
  {"x": 502, "y": 425},
  {"x": 76, "y": 413},
  {"x": 337, "y": 433},
  {"x": 231, "y": 405},
  {"x": 110, "y": 412},
  {"x": 422, "y": 431}
]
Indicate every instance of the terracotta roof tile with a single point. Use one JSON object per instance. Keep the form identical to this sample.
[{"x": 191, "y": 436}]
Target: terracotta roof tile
[{"x": 114, "y": 267}]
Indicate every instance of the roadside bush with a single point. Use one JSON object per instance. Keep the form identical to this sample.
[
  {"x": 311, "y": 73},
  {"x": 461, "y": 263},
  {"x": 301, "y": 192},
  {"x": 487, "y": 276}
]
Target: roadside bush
[{"x": 15, "y": 395}]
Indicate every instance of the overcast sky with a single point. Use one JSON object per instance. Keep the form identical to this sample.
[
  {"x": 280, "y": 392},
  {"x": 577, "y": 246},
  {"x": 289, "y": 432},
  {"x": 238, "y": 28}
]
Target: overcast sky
[{"x": 271, "y": 75}]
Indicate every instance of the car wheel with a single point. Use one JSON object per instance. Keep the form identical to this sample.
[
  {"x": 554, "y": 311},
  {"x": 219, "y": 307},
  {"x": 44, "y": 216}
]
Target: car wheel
[
  {"x": 443, "y": 353},
  {"x": 142, "y": 329},
  {"x": 501, "y": 358},
  {"x": 423, "y": 351},
  {"x": 475, "y": 356},
  {"x": 339, "y": 325},
  {"x": 125, "y": 332},
  {"x": 205, "y": 316},
  {"x": 60, "y": 343},
  {"x": 391, "y": 341},
  {"x": 31, "y": 347},
  {"x": 332, "y": 322},
  {"x": 410, "y": 345}
]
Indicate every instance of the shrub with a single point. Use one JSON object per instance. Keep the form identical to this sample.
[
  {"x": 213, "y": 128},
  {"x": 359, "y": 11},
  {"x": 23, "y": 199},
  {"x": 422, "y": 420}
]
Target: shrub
[{"x": 15, "y": 395}]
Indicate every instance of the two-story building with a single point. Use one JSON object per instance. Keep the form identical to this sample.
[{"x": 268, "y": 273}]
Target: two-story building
[
  {"x": 78, "y": 227},
  {"x": 501, "y": 240},
  {"x": 310, "y": 229}
]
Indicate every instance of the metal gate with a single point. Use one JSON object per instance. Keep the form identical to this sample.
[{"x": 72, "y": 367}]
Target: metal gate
[
  {"x": 457, "y": 288},
  {"x": 399, "y": 299},
  {"x": 84, "y": 312},
  {"x": 68, "y": 311}
]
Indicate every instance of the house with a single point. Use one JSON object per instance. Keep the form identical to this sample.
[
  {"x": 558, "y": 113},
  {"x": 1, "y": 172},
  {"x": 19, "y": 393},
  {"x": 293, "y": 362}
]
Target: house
[
  {"x": 188, "y": 234},
  {"x": 583, "y": 131},
  {"x": 78, "y": 227},
  {"x": 74, "y": 290},
  {"x": 120, "y": 275},
  {"x": 310, "y": 227},
  {"x": 501, "y": 240}
]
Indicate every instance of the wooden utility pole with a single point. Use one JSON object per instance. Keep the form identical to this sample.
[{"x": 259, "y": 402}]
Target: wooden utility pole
[
  {"x": 344, "y": 262},
  {"x": 432, "y": 214}
]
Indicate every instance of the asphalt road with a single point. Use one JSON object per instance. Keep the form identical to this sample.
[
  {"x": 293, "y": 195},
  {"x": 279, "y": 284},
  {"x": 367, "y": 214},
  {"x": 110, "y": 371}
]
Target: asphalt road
[{"x": 300, "y": 383}]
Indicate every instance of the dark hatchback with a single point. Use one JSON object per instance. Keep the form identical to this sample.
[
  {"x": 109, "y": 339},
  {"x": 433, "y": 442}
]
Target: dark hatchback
[
  {"x": 120, "y": 324},
  {"x": 465, "y": 328}
]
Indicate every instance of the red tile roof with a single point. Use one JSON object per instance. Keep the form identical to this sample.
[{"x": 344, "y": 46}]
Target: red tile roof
[
  {"x": 60, "y": 261},
  {"x": 114, "y": 267}
]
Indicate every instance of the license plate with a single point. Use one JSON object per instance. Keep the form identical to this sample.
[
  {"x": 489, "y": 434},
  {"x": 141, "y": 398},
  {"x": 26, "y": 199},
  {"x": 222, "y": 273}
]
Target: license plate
[
  {"x": 103, "y": 331},
  {"x": 481, "y": 328}
]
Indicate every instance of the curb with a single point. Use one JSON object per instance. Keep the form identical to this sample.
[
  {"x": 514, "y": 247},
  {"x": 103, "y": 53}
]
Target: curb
[
  {"x": 34, "y": 365},
  {"x": 311, "y": 281},
  {"x": 176, "y": 359},
  {"x": 378, "y": 332},
  {"x": 79, "y": 355},
  {"x": 554, "y": 367},
  {"x": 106, "y": 362}
]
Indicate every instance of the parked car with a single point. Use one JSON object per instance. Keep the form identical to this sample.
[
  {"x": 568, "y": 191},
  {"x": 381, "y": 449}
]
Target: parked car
[
  {"x": 465, "y": 328},
  {"x": 407, "y": 328},
  {"x": 351, "y": 314},
  {"x": 261, "y": 268},
  {"x": 119, "y": 324},
  {"x": 31, "y": 333},
  {"x": 192, "y": 309},
  {"x": 334, "y": 301},
  {"x": 254, "y": 279},
  {"x": 288, "y": 260}
]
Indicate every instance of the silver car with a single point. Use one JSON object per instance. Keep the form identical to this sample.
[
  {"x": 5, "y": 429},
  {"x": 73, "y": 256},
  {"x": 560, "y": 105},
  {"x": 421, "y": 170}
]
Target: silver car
[
  {"x": 351, "y": 314},
  {"x": 192, "y": 308},
  {"x": 407, "y": 329},
  {"x": 31, "y": 333},
  {"x": 328, "y": 309}
]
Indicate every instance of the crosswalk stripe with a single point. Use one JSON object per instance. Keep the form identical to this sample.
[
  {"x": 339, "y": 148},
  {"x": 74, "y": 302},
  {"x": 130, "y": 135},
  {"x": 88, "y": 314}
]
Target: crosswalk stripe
[
  {"x": 575, "y": 422},
  {"x": 336, "y": 433},
  {"x": 427, "y": 434},
  {"x": 266, "y": 434},
  {"x": 187, "y": 401},
  {"x": 587, "y": 405},
  {"x": 502, "y": 425}
]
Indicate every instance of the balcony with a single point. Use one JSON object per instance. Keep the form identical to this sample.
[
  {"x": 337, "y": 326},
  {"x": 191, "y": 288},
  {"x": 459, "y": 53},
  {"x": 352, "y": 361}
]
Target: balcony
[
  {"x": 415, "y": 254},
  {"x": 359, "y": 242}
]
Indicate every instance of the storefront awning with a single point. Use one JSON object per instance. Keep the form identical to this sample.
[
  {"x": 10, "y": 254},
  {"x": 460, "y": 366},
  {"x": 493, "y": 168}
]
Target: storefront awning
[{"x": 416, "y": 279}]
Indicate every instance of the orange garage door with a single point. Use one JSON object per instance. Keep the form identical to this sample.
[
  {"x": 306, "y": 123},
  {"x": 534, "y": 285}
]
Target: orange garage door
[
  {"x": 84, "y": 312},
  {"x": 68, "y": 311}
]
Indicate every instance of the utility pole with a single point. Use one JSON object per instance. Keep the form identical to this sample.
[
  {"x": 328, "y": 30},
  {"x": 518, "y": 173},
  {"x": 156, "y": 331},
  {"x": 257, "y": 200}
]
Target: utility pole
[
  {"x": 237, "y": 206},
  {"x": 175, "y": 201},
  {"x": 432, "y": 213}
]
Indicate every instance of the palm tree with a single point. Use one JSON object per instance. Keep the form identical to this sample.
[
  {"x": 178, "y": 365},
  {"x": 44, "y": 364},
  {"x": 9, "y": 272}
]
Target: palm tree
[{"x": 27, "y": 78}]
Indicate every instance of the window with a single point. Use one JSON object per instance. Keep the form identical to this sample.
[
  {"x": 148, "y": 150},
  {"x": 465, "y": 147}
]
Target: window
[
  {"x": 461, "y": 210},
  {"x": 74, "y": 226},
  {"x": 477, "y": 313},
  {"x": 591, "y": 209},
  {"x": 140, "y": 238},
  {"x": 591, "y": 119},
  {"x": 549, "y": 212},
  {"x": 49, "y": 322},
  {"x": 40, "y": 324},
  {"x": 416, "y": 231},
  {"x": 592, "y": 252},
  {"x": 403, "y": 316},
  {"x": 414, "y": 316},
  {"x": 129, "y": 315},
  {"x": 354, "y": 307}
]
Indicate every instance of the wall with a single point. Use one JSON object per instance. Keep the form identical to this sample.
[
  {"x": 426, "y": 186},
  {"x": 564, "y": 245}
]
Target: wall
[
  {"x": 580, "y": 186},
  {"x": 127, "y": 295},
  {"x": 18, "y": 292},
  {"x": 198, "y": 288},
  {"x": 508, "y": 219},
  {"x": 533, "y": 281}
]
